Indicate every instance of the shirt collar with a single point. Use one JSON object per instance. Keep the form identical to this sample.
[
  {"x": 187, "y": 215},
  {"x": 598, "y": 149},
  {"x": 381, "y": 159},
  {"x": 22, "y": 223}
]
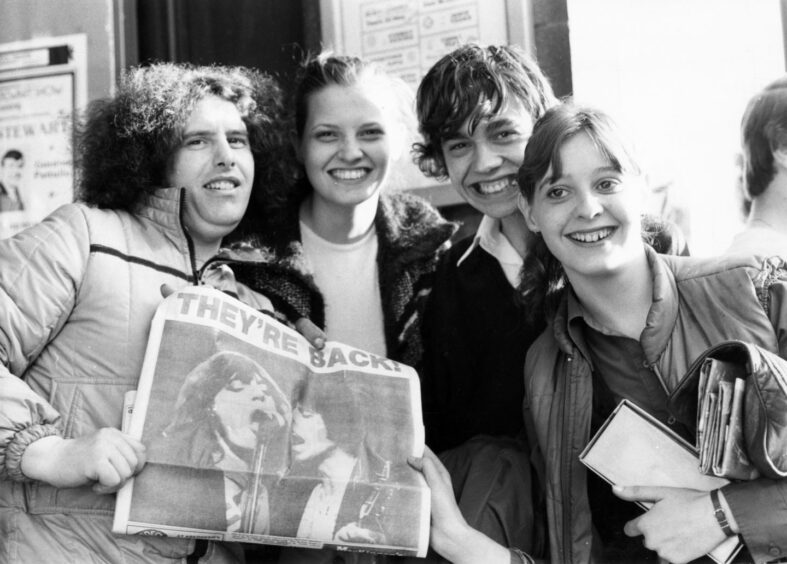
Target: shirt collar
[
  {"x": 490, "y": 237},
  {"x": 661, "y": 317}
]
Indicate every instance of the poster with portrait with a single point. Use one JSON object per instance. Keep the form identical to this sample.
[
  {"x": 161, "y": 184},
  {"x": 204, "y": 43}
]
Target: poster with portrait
[
  {"x": 42, "y": 83},
  {"x": 252, "y": 435}
]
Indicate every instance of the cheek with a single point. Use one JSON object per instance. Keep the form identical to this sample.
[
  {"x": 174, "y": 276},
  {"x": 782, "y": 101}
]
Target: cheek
[
  {"x": 383, "y": 153},
  {"x": 515, "y": 153},
  {"x": 312, "y": 155},
  {"x": 456, "y": 167}
]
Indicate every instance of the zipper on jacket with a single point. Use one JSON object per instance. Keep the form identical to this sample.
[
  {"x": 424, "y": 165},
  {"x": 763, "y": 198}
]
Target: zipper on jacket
[
  {"x": 195, "y": 272},
  {"x": 655, "y": 369},
  {"x": 565, "y": 463}
]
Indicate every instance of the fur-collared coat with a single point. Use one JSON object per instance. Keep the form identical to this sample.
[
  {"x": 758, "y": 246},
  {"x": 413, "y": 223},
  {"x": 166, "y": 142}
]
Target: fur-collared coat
[{"x": 412, "y": 235}]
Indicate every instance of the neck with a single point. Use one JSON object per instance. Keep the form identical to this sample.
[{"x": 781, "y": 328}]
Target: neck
[
  {"x": 620, "y": 302},
  {"x": 515, "y": 230},
  {"x": 339, "y": 223},
  {"x": 204, "y": 250},
  {"x": 770, "y": 207}
]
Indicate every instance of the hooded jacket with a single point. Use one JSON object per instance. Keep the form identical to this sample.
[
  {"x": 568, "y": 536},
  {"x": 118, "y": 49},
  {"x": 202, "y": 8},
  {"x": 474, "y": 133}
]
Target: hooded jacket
[
  {"x": 696, "y": 303},
  {"x": 77, "y": 294},
  {"x": 412, "y": 235}
]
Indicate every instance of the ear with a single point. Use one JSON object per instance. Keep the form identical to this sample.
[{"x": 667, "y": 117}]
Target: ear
[
  {"x": 780, "y": 157},
  {"x": 527, "y": 212}
]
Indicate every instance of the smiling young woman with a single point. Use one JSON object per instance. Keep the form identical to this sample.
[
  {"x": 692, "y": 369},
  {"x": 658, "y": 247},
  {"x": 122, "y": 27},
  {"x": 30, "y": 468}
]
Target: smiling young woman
[{"x": 355, "y": 251}]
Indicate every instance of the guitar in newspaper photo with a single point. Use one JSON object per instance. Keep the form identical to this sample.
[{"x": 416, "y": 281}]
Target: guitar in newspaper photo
[{"x": 252, "y": 435}]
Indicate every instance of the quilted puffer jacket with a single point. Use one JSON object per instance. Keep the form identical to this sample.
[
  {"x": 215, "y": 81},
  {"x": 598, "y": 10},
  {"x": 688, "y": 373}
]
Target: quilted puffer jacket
[
  {"x": 77, "y": 295},
  {"x": 696, "y": 303}
]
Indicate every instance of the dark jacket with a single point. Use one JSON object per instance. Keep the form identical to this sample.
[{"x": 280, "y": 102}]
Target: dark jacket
[
  {"x": 475, "y": 341},
  {"x": 696, "y": 303},
  {"x": 411, "y": 236}
]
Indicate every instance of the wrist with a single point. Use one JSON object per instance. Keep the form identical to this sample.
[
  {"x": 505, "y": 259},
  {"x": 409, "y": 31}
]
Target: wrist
[
  {"x": 722, "y": 513},
  {"x": 17, "y": 448},
  {"x": 36, "y": 459},
  {"x": 474, "y": 546},
  {"x": 728, "y": 513},
  {"x": 520, "y": 557}
]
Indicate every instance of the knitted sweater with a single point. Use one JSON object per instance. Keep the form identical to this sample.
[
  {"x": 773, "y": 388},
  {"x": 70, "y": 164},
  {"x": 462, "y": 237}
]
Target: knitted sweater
[{"x": 411, "y": 234}]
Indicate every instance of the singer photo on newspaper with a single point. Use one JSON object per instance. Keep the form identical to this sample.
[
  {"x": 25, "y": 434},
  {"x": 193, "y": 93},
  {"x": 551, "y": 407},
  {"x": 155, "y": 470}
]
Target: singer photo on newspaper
[{"x": 253, "y": 435}]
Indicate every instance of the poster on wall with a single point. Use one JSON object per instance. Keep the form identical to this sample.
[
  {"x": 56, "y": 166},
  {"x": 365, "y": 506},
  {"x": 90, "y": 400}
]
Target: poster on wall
[
  {"x": 42, "y": 83},
  {"x": 408, "y": 36}
]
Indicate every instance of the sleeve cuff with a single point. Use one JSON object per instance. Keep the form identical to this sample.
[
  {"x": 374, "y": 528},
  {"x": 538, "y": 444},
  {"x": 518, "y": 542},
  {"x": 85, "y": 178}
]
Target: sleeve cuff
[
  {"x": 760, "y": 510},
  {"x": 16, "y": 449},
  {"x": 519, "y": 557}
]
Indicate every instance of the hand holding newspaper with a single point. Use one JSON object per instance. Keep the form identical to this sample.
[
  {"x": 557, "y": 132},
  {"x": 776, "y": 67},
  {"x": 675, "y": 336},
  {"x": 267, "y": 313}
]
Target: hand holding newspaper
[
  {"x": 632, "y": 448},
  {"x": 255, "y": 436}
]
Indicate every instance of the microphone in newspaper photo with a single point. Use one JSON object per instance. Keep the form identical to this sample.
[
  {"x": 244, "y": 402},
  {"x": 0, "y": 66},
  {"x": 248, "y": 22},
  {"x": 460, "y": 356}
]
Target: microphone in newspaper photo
[{"x": 231, "y": 422}]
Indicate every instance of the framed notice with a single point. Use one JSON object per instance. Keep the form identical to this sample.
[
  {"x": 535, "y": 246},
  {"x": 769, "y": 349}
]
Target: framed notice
[
  {"x": 408, "y": 36},
  {"x": 42, "y": 83}
]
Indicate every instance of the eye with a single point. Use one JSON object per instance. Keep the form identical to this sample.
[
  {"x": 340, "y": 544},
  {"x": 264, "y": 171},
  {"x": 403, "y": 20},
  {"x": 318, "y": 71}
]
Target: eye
[
  {"x": 195, "y": 142},
  {"x": 556, "y": 192},
  {"x": 507, "y": 134},
  {"x": 325, "y": 135},
  {"x": 456, "y": 147},
  {"x": 372, "y": 132},
  {"x": 238, "y": 141},
  {"x": 235, "y": 386},
  {"x": 608, "y": 185}
]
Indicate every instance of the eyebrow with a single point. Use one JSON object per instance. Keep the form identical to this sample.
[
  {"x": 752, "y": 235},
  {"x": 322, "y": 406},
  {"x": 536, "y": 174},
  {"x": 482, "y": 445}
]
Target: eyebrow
[
  {"x": 552, "y": 179},
  {"x": 494, "y": 124},
  {"x": 330, "y": 125},
  {"x": 210, "y": 132},
  {"x": 500, "y": 122}
]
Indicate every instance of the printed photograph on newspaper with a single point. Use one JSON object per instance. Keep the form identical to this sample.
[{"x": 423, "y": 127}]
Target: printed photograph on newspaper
[{"x": 253, "y": 435}]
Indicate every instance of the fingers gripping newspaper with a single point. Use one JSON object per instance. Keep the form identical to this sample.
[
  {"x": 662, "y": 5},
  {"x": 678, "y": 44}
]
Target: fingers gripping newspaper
[{"x": 253, "y": 435}]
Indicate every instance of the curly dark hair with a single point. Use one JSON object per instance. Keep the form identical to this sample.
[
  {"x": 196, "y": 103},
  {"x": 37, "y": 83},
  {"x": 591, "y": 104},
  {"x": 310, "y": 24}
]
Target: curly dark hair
[
  {"x": 125, "y": 141},
  {"x": 473, "y": 82}
]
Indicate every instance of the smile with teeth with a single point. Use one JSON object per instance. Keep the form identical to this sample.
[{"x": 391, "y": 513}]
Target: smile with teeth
[
  {"x": 496, "y": 186},
  {"x": 221, "y": 185},
  {"x": 348, "y": 173},
  {"x": 591, "y": 236}
]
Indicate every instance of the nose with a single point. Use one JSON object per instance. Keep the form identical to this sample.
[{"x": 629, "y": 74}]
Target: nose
[
  {"x": 350, "y": 150},
  {"x": 486, "y": 158},
  {"x": 589, "y": 204},
  {"x": 224, "y": 155}
]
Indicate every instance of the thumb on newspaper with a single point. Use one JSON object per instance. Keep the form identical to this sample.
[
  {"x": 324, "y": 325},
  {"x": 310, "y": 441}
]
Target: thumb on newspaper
[
  {"x": 166, "y": 290},
  {"x": 313, "y": 334}
]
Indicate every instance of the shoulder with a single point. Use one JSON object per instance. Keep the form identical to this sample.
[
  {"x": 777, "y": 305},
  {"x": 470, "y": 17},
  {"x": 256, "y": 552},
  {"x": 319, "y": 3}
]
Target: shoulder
[
  {"x": 410, "y": 219},
  {"x": 686, "y": 269}
]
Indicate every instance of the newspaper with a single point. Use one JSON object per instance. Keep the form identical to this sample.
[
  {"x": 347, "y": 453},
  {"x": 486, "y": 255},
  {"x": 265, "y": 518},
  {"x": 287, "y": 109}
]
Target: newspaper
[
  {"x": 721, "y": 388},
  {"x": 253, "y": 435}
]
